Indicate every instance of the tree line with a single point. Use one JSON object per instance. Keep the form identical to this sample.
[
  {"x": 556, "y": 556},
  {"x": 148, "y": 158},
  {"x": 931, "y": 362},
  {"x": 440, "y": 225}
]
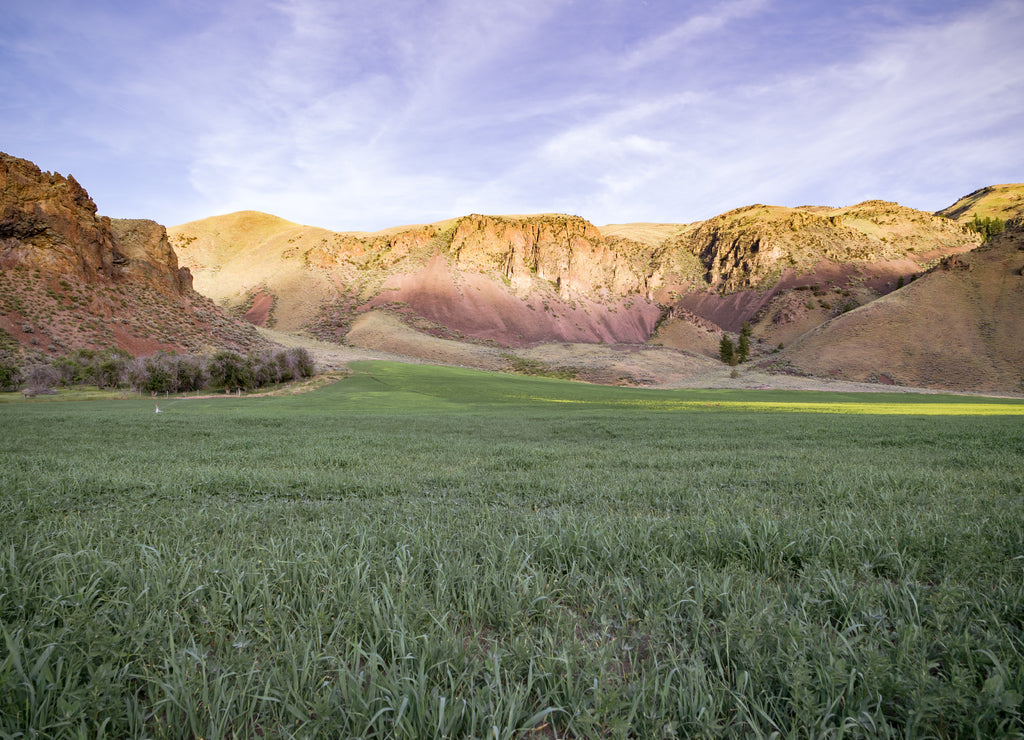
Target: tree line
[
  {"x": 164, "y": 372},
  {"x": 987, "y": 226}
]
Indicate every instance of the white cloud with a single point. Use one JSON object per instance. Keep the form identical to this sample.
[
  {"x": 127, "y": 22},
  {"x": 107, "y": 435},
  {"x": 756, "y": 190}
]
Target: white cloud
[
  {"x": 366, "y": 114},
  {"x": 674, "y": 40}
]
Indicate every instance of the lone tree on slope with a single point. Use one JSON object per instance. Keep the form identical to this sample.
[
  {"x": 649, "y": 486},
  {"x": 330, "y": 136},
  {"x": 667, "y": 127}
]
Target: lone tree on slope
[{"x": 726, "y": 350}]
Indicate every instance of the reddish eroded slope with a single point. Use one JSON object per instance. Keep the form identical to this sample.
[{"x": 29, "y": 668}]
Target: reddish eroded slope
[
  {"x": 959, "y": 327},
  {"x": 475, "y": 305}
]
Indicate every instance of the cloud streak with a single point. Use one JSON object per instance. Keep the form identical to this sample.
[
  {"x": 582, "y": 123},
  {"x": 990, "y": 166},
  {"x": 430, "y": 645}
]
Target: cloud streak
[{"x": 358, "y": 116}]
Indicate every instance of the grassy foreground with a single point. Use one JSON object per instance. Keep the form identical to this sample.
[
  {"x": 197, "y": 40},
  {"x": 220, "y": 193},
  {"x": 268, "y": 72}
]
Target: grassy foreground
[{"x": 422, "y": 552}]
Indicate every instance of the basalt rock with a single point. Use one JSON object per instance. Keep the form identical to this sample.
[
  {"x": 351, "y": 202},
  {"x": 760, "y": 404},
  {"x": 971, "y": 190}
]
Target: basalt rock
[
  {"x": 70, "y": 278},
  {"x": 49, "y": 223}
]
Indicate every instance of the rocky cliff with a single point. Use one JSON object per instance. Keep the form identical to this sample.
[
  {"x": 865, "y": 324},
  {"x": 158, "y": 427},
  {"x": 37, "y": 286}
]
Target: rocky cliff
[
  {"x": 565, "y": 251},
  {"x": 70, "y": 278},
  {"x": 49, "y": 222},
  {"x": 749, "y": 248}
]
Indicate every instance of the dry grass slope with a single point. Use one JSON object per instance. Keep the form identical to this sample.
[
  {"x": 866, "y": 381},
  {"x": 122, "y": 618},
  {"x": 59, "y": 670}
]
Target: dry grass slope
[
  {"x": 957, "y": 327},
  {"x": 995, "y": 201}
]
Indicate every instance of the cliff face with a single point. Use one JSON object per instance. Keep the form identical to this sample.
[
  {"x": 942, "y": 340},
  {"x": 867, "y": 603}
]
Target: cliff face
[
  {"x": 566, "y": 251},
  {"x": 70, "y": 278},
  {"x": 749, "y": 248},
  {"x": 143, "y": 250},
  {"x": 49, "y": 223}
]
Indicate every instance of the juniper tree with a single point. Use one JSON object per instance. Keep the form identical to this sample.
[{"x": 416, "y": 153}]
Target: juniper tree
[
  {"x": 726, "y": 350},
  {"x": 743, "y": 349}
]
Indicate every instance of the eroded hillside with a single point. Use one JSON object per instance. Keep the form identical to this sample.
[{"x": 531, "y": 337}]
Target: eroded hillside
[
  {"x": 957, "y": 327},
  {"x": 522, "y": 280},
  {"x": 71, "y": 279}
]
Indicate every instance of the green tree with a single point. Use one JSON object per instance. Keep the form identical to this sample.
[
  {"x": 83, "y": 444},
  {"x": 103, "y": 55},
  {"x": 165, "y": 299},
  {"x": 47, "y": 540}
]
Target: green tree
[
  {"x": 987, "y": 226},
  {"x": 10, "y": 374},
  {"x": 743, "y": 348},
  {"x": 726, "y": 350}
]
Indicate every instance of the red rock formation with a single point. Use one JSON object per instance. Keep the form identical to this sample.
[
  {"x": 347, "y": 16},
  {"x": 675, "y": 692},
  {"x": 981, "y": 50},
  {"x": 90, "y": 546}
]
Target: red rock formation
[
  {"x": 70, "y": 278},
  {"x": 49, "y": 222},
  {"x": 566, "y": 251}
]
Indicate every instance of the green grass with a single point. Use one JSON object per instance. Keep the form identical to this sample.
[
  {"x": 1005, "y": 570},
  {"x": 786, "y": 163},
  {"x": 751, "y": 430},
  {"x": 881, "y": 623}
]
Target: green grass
[{"x": 424, "y": 552}]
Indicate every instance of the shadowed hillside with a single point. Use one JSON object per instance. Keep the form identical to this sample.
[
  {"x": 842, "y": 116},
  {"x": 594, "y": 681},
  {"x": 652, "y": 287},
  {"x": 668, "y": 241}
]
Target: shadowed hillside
[{"x": 958, "y": 327}]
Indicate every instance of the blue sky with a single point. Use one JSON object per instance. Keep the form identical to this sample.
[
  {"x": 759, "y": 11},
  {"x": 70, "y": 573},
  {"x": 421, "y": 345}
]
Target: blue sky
[{"x": 359, "y": 115}]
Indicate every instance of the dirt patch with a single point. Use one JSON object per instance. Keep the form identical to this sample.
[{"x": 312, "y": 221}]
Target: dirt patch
[
  {"x": 259, "y": 312},
  {"x": 381, "y": 331}
]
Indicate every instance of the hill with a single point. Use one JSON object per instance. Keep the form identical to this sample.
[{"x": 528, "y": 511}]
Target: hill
[
  {"x": 957, "y": 327},
  {"x": 833, "y": 288},
  {"x": 509, "y": 280},
  {"x": 519, "y": 281},
  {"x": 1005, "y": 202},
  {"x": 72, "y": 279}
]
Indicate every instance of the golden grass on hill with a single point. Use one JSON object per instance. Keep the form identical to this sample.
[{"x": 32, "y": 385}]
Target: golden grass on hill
[{"x": 995, "y": 201}]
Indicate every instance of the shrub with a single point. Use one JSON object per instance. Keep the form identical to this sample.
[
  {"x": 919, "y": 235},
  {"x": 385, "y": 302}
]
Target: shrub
[
  {"x": 10, "y": 374},
  {"x": 229, "y": 369},
  {"x": 42, "y": 376}
]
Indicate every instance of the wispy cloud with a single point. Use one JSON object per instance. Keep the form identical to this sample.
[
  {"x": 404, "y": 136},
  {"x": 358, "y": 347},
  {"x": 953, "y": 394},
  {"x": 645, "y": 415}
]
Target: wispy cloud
[
  {"x": 363, "y": 114},
  {"x": 690, "y": 30}
]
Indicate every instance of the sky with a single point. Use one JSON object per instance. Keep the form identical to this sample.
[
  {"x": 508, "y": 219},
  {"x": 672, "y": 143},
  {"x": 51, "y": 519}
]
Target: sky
[{"x": 366, "y": 114}]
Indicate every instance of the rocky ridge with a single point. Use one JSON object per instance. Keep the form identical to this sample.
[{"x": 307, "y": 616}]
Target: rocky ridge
[
  {"x": 517, "y": 280},
  {"x": 70, "y": 278}
]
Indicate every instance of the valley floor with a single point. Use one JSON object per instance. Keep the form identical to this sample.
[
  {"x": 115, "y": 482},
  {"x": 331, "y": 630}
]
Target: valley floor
[{"x": 646, "y": 365}]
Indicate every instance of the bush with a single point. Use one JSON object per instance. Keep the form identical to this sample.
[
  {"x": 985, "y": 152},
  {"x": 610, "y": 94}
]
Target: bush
[
  {"x": 229, "y": 369},
  {"x": 167, "y": 372},
  {"x": 102, "y": 368},
  {"x": 10, "y": 375},
  {"x": 42, "y": 377}
]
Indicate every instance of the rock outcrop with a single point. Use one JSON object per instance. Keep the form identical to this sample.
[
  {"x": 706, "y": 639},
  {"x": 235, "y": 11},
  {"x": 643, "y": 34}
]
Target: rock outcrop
[
  {"x": 48, "y": 222},
  {"x": 70, "y": 278},
  {"x": 749, "y": 248},
  {"x": 565, "y": 251}
]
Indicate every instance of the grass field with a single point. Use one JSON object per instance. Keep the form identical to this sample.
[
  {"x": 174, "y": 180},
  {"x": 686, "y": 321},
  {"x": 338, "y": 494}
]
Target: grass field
[{"x": 423, "y": 552}]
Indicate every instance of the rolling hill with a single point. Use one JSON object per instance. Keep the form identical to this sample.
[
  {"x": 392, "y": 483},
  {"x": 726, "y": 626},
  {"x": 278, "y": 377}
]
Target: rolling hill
[
  {"x": 522, "y": 281},
  {"x": 874, "y": 292},
  {"x": 958, "y": 327}
]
